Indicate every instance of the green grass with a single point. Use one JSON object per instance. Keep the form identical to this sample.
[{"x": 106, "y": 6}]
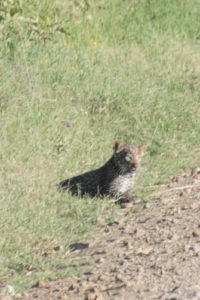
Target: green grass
[{"x": 116, "y": 70}]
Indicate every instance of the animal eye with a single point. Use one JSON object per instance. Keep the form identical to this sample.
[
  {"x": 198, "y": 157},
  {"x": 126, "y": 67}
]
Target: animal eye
[{"x": 127, "y": 158}]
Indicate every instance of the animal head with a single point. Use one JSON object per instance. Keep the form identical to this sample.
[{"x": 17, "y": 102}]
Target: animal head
[{"x": 128, "y": 157}]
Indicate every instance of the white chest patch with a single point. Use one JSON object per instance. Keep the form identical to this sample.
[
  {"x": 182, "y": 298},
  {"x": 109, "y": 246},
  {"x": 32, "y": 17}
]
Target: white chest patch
[{"x": 122, "y": 184}]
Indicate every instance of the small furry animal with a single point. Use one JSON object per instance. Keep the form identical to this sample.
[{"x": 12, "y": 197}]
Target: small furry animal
[{"x": 115, "y": 178}]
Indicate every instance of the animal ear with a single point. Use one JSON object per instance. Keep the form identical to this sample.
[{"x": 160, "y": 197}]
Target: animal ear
[
  {"x": 142, "y": 150},
  {"x": 117, "y": 146}
]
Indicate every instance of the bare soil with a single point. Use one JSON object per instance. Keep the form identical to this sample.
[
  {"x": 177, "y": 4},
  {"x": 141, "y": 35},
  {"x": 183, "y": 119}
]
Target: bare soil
[{"x": 151, "y": 254}]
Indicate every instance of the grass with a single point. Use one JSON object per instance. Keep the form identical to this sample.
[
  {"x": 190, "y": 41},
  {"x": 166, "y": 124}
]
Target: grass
[{"x": 116, "y": 70}]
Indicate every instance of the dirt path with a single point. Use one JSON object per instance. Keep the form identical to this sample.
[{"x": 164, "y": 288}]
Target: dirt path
[{"x": 154, "y": 254}]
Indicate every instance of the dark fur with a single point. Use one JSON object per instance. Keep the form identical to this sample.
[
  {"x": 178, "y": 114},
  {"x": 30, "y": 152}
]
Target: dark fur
[
  {"x": 94, "y": 183},
  {"x": 102, "y": 181}
]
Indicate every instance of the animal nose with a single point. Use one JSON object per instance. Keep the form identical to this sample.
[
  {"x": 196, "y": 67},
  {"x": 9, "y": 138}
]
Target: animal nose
[{"x": 134, "y": 166}]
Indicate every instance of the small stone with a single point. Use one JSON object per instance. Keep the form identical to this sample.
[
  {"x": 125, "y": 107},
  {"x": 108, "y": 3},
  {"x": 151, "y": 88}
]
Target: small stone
[
  {"x": 125, "y": 243},
  {"x": 197, "y": 249},
  {"x": 176, "y": 179},
  {"x": 88, "y": 273},
  {"x": 99, "y": 252},
  {"x": 136, "y": 200},
  {"x": 113, "y": 223},
  {"x": 195, "y": 205},
  {"x": 90, "y": 293},
  {"x": 140, "y": 232},
  {"x": 148, "y": 205},
  {"x": 71, "y": 287},
  {"x": 118, "y": 277},
  {"x": 129, "y": 204},
  {"x": 103, "y": 277},
  {"x": 123, "y": 205},
  {"x": 99, "y": 260},
  {"x": 8, "y": 290},
  {"x": 193, "y": 292},
  {"x": 184, "y": 207},
  {"x": 196, "y": 176},
  {"x": 25, "y": 295},
  {"x": 75, "y": 287},
  {"x": 195, "y": 171},
  {"x": 188, "y": 191},
  {"x": 173, "y": 297},
  {"x": 188, "y": 248},
  {"x": 29, "y": 273},
  {"x": 5, "y": 298},
  {"x": 58, "y": 248},
  {"x": 144, "y": 251},
  {"x": 176, "y": 237},
  {"x": 113, "y": 269},
  {"x": 174, "y": 221},
  {"x": 111, "y": 240},
  {"x": 130, "y": 283},
  {"x": 187, "y": 172},
  {"x": 195, "y": 234},
  {"x": 90, "y": 296},
  {"x": 11, "y": 290},
  {"x": 93, "y": 296}
]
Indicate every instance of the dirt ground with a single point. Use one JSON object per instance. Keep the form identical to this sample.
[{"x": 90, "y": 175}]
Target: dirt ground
[{"x": 152, "y": 254}]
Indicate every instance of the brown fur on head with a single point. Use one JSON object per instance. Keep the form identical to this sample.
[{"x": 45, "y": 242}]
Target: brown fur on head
[
  {"x": 118, "y": 146},
  {"x": 128, "y": 156}
]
